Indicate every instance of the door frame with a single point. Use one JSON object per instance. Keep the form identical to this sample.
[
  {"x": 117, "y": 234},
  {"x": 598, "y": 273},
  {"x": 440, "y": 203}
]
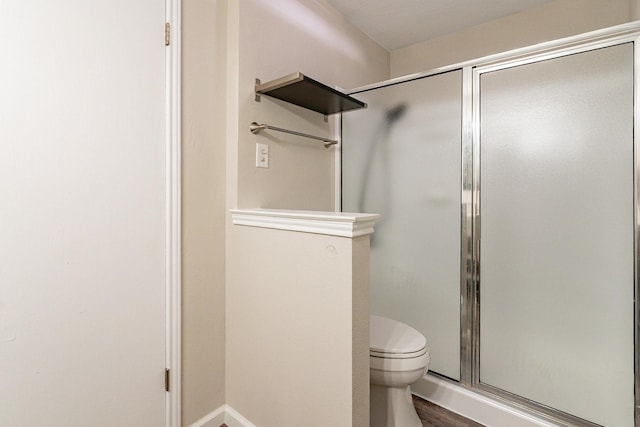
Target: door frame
[
  {"x": 173, "y": 237},
  {"x": 629, "y": 33}
]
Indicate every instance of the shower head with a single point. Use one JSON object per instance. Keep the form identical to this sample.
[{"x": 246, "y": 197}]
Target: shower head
[{"x": 396, "y": 112}]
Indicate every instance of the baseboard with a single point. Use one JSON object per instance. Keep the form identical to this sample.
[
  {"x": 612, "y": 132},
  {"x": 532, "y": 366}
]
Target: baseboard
[
  {"x": 479, "y": 408},
  {"x": 225, "y": 414},
  {"x": 232, "y": 418},
  {"x": 213, "y": 419},
  {"x": 460, "y": 400}
]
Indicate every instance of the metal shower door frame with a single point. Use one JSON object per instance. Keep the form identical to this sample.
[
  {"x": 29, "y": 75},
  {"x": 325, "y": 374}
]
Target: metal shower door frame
[
  {"x": 471, "y": 217},
  {"x": 470, "y": 201}
]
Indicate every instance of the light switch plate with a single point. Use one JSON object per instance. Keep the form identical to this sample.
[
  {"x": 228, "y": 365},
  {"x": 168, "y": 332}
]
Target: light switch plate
[{"x": 262, "y": 155}]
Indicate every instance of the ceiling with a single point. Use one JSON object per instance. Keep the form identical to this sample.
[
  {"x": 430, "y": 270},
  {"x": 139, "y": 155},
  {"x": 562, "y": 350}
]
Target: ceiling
[{"x": 397, "y": 23}]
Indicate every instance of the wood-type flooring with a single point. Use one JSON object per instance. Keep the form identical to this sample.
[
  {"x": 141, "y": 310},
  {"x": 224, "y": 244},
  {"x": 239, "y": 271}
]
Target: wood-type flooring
[{"x": 435, "y": 416}]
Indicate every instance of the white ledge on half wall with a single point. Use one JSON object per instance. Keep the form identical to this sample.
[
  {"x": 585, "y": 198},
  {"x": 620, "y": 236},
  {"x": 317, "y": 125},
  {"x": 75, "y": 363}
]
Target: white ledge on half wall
[{"x": 342, "y": 224}]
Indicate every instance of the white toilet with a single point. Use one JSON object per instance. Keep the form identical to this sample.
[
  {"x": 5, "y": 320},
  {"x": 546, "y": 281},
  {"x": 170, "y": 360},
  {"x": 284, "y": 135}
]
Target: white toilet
[{"x": 398, "y": 357}]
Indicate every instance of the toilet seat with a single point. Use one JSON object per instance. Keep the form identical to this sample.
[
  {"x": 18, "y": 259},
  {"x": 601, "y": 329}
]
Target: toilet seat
[
  {"x": 409, "y": 355},
  {"x": 391, "y": 339}
]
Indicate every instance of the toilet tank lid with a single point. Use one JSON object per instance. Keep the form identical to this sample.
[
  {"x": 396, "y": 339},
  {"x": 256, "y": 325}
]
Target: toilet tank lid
[{"x": 390, "y": 336}]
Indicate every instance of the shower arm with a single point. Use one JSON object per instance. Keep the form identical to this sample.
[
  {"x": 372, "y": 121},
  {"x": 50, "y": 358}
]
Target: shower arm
[{"x": 255, "y": 128}]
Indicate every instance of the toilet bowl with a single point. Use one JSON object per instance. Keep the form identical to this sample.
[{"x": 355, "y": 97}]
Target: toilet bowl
[{"x": 398, "y": 357}]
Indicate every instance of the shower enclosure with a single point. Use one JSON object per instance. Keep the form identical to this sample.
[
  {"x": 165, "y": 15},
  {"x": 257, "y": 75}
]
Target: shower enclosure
[{"x": 508, "y": 188}]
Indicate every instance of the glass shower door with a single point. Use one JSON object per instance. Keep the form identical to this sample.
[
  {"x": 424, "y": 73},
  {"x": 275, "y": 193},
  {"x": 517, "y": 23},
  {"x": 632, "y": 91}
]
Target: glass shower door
[
  {"x": 401, "y": 158},
  {"x": 556, "y": 282}
]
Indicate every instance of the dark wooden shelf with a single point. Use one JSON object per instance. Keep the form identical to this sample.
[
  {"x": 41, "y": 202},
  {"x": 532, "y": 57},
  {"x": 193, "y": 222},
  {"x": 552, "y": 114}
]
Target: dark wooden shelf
[{"x": 305, "y": 92}]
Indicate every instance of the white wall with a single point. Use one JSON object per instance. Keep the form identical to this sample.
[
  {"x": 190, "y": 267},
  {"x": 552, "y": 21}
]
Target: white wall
[
  {"x": 276, "y": 39},
  {"x": 203, "y": 206},
  {"x": 550, "y": 21},
  {"x": 634, "y": 10},
  {"x": 268, "y": 40},
  {"x": 295, "y": 348}
]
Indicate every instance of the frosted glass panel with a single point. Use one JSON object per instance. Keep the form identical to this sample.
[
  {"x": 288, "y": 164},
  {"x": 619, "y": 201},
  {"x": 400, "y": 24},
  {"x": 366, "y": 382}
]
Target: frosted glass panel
[
  {"x": 557, "y": 279},
  {"x": 401, "y": 158}
]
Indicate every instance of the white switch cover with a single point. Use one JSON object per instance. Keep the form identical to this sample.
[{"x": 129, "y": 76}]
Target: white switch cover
[{"x": 262, "y": 155}]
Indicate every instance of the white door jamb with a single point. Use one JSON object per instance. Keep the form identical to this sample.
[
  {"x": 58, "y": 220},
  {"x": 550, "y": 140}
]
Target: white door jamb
[{"x": 173, "y": 213}]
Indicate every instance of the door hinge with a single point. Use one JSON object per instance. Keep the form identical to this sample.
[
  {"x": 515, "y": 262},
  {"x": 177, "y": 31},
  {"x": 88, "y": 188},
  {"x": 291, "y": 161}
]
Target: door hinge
[
  {"x": 167, "y": 34},
  {"x": 167, "y": 379}
]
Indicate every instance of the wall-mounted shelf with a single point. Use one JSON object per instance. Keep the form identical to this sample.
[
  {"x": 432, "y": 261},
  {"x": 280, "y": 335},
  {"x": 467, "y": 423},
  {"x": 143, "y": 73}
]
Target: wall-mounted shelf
[{"x": 305, "y": 92}]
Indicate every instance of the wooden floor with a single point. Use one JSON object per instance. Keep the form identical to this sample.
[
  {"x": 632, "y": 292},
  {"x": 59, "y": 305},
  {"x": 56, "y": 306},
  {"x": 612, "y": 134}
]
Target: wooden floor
[{"x": 435, "y": 416}]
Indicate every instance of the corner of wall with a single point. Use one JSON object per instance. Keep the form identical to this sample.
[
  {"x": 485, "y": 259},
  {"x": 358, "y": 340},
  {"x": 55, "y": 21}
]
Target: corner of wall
[
  {"x": 231, "y": 145},
  {"x": 232, "y": 61},
  {"x": 203, "y": 207}
]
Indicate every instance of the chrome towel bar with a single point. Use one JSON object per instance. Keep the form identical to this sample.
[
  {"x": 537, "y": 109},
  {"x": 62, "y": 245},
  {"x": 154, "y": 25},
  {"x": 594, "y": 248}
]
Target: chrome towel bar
[{"x": 255, "y": 128}]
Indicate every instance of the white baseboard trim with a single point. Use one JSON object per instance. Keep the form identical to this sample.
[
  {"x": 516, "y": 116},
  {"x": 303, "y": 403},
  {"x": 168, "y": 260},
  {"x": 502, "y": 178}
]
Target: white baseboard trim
[
  {"x": 213, "y": 419},
  {"x": 232, "y": 418},
  {"x": 455, "y": 398},
  {"x": 225, "y": 414},
  {"x": 472, "y": 405}
]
